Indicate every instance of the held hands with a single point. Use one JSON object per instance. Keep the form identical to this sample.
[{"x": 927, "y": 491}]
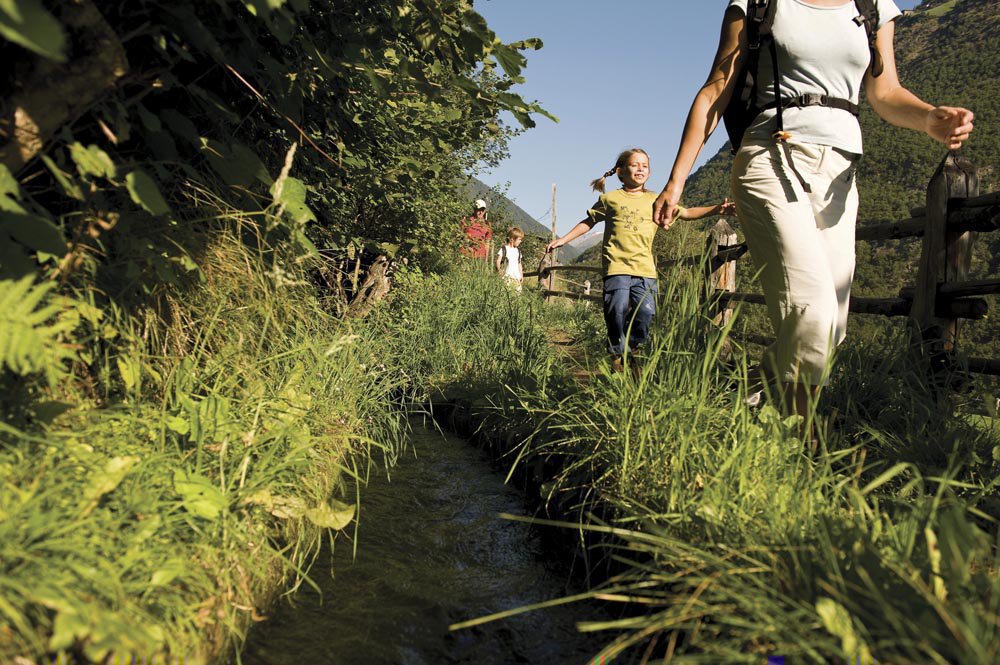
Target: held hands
[
  {"x": 727, "y": 208},
  {"x": 667, "y": 204},
  {"x": 949, "y": 125}
]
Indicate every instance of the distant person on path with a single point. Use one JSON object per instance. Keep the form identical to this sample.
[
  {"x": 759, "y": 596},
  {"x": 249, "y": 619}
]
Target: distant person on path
[
  {"x": 509, "y": 258},
  {"x": 793, "y": 177},
  {"x": 627, "y": 250},
  {"x": 478, "y": 232}
]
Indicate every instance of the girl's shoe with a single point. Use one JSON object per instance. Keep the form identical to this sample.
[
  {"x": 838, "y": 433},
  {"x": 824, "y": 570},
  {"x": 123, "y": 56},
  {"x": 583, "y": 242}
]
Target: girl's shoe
[{"x": 617, "y": 364}]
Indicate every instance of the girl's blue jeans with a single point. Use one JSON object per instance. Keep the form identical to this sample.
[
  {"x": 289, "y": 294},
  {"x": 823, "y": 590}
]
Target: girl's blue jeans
[{"x": 629, "y": 306}]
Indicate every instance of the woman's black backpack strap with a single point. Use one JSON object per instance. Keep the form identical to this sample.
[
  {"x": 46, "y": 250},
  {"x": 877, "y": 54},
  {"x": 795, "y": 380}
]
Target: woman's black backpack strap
[
  {"x": 868, "y": 17},
  {"x": 742, "y": 107}
]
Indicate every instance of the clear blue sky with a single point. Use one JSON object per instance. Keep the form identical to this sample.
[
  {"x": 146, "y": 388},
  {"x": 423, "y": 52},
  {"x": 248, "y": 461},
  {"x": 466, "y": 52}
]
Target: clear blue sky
[{"x": 617, "y": 74}]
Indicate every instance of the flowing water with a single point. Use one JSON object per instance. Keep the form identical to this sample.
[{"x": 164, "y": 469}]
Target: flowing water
[{"x": 432, "y": 551}]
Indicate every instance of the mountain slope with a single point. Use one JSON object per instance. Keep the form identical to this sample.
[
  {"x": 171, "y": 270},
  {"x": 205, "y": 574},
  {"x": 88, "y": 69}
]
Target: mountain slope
[{"x": 503, "y": 211}]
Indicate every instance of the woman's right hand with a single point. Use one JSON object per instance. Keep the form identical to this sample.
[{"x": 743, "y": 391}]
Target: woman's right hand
[
  {"x": 555, "y": 244},
  {"x": 949, "y": 125},
  {"x": 666, "y": 204}
]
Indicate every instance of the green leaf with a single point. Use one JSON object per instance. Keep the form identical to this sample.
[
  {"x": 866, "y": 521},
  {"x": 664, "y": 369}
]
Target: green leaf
[
  {"x": 292, "y": 198},
  {"x": 337, "y": 516},
  {"x": 130, "y": 371},
  {"x": 27, "y": 23},
  {"x": 201, "y": 498},
  {"x": 288, "y": 507},
  {"x": 36, "y": 233},
  {"x": 511, "y": 61},
  {"x": 178, "y": 424},
  {"x": 14, "y": 261},
  {"x": 92, "y": 161},
  {"x": 106, "y": 480},
  {"x": 305, "y": 244},
  {"x": 837, "y": 620},
  {"x": 144, "y": 191},
  {"x": 69, "y": 627},
  {"x": 70, "y": 188},
  {"x": 238, "y": 165},
  {"x": 168, "y": 572},
  {"x": 180, "y": 126},
  {"x": 10, "y": 191}
]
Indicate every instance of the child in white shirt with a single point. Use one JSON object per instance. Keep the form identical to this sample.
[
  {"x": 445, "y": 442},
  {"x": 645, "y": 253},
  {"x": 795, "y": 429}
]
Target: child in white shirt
[{"x": 509, "y": 257}]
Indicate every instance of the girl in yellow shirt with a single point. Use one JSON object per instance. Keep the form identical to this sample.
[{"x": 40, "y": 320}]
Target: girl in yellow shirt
[{"x": 627, "y": 249}]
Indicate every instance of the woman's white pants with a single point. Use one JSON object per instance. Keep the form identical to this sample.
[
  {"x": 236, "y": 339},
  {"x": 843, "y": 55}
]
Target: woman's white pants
[{"x": 802, "y": 244}]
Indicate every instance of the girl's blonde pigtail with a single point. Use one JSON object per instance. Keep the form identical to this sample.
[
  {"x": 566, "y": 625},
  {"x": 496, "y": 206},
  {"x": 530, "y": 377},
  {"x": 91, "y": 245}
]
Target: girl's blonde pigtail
[{"x": 598, "y": 184}]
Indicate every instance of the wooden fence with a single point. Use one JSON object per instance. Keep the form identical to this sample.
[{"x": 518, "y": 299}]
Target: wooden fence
[{"x": 942, "y": 296}]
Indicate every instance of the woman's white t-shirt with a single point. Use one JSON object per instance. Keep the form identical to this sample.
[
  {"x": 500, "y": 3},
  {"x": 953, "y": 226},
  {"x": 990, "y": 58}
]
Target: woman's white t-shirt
[
  {"x": 513, "y": 269},
  {"x": 821, "y": 50}
]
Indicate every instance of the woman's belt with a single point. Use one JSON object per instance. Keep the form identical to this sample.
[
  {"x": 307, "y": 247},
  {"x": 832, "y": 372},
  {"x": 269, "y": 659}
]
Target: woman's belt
[{"x": 814, "y": 99}]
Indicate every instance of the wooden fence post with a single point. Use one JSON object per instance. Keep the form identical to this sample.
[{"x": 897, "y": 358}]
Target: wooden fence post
[
  {"x": 944, "y": 257},
  {"x": 544, "y": 274},
  {"x": 721, "y": 273}
]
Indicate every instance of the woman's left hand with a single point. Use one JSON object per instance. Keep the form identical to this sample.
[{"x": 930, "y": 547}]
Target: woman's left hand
[{"x": 949, "y": 125}]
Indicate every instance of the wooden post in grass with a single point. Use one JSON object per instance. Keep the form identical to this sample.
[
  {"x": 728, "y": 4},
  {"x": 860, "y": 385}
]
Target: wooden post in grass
[
  {"x": 944, "y": 257},
  {"x": 544, "y": 274},
  {"x": 550, "y": 283},
  {"x": 721, "y": 273}
]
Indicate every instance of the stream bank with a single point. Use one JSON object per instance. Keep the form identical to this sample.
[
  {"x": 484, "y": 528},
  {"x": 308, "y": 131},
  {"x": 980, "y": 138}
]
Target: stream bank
[{"x": 431, "y": 552}]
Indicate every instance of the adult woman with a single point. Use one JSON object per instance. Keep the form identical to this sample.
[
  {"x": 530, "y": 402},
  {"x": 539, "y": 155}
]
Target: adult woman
[{"x": 794, "y": 184}]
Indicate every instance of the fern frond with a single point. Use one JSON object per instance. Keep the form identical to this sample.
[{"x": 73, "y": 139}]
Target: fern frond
[{"x": 29, "y": 329}]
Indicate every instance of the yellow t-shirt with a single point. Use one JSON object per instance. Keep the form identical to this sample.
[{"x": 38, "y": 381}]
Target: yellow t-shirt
[{"x": 628, "y": 232}]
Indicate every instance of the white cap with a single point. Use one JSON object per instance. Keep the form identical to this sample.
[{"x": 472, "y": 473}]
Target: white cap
[{"x": 480, "y": 204}]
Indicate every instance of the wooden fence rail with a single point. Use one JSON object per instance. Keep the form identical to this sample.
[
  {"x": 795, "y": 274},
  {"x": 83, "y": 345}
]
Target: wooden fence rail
[{"x": 942, "y": 295}]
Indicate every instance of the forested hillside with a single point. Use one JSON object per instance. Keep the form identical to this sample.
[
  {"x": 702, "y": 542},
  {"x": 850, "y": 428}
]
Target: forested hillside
[{"x": 503, "y": 211}]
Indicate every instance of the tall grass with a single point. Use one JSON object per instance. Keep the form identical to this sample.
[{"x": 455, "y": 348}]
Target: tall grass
[
  {"x": 230, "y": 442},
  {"x": 465, "y": 334},
  {"x": 734, "y": 540},
  {"x": 193, "y": 472}
]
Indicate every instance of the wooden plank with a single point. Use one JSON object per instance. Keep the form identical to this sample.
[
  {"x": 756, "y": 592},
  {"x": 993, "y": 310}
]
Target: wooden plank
[
  {"x": 909, "y": 228},
  {"x": 975, "y": 309},
  {"x": 731, "y": 252},
  {"x": 976, "y": 201},
  {"x": 966, "y": 218},
  {"x": 959, "y": 203},
  {"x": 981, "y": 287},
  {"x": 683, "y": 261},
  {"x": 971, "y": 308},
  {"x": 724, "y": 253},
  {"x": 595, "y": 269},
  {"x": 572, "y": 296},
  {"x": 984, "y": 219},
  {"x": 880, "y": 306}
]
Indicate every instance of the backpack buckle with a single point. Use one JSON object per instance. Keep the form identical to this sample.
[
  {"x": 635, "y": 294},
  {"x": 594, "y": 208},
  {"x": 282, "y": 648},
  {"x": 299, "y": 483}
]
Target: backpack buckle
[{"x": 814, "y": 99}]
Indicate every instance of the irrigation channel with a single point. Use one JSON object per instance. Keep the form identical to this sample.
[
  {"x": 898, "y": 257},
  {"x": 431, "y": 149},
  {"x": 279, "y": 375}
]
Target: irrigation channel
[{"x": 433, "y": 551}]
